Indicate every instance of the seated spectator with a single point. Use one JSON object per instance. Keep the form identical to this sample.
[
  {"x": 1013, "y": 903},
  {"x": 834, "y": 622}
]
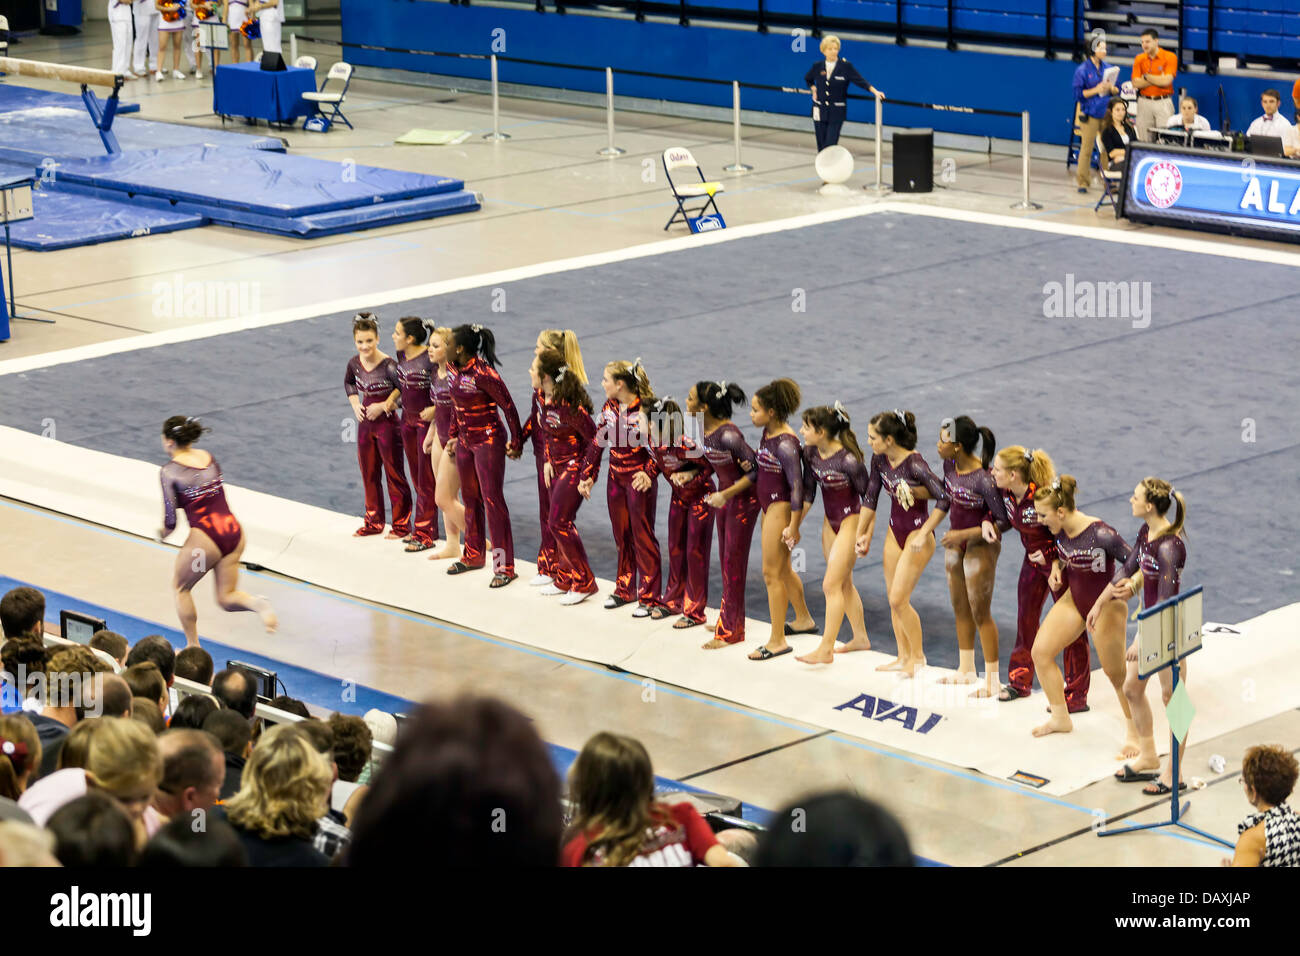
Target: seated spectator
[
  {"x": 22, "y": 660},
  {"x": 1270, "y": 837},
  {"x": 1273, "y": 123},
  {"x": 180, "y": 844},
  {"x": 194, "y": 663},
  {"x": 112, "y": 644},
  {"x": 75, "y": 752},
  {"x": 123, "y": 762},
  {"x": 147, "y": 681},
  {"x": 193, "y": 711},
  {"x": 1187, "y": 118},
  {"x": 237, "y": 691},
  {"x": 20, "y": 754},
  {"x": 193, "y": 770},
  {"x": 146, "y": 712},
  {"x": 383, "y": 730},
  {"x": 291, "y": 705},
  {"x": 157, "y": 649},
  {"x": 22, "y": 614},
  {"x": 67, "y": 671},
  {"x": 23, "y": 844},
  {"x": 11, "y": 812},
  {"x": 110, "y": 697},
  {"x": 459, "y": 765},
  {"x": 352, "y": 743},
  {"x": 285, "y": 791},
  {"x": 235, "y": 735},
  {"x": 332, "y": 833},
  {"x": 834, "y": 829},
  {"x": 1116, "y": 133},
  {"x": 618, "y": 822},
  {"x": 739, "y": 842},
  {"x": 93, "y": 831}
]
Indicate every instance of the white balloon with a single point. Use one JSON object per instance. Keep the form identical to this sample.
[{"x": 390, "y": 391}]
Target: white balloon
[{"x": 834, "y": 164}]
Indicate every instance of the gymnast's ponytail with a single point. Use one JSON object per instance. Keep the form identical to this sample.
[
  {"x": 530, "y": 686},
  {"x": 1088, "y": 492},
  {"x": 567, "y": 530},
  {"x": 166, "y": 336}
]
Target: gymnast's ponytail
[
  {"x": 719, "y": 397},
  {"x": 184, "y": 431},
  {"x": 666, "y": 417},
  {"x": 898, "y": 425},
  {"x": 415, "y": 329},
  {"x": 1060, "y": 493},
  {"x": 834, "y": 421},
  {"x": 568, "y": 390},
  {"x": 1034, "y": 467},
  {"x": 633, "y": 375},
  {"x": 1161, "y": 494},
  {"x": 478, "y": 341},
  {"x": 967, "y": 434},
  {"x": 566, "y": 343}
]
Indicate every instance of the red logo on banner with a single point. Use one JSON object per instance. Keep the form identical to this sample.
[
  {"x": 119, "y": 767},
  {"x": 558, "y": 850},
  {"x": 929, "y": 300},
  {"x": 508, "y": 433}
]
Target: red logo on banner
[{"x": 1164, "y": 184}]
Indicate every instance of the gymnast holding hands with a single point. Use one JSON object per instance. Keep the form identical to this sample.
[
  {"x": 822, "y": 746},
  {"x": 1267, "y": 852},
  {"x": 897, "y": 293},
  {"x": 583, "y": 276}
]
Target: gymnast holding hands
[
  {"x": 192, "y": 480},
  {"x": 439, "y": 411},
  {"x": 373, "y": 387}
]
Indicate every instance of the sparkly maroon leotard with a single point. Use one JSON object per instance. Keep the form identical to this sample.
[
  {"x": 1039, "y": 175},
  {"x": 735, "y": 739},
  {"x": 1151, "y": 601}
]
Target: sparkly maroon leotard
[{"x": 200, "y": 493}]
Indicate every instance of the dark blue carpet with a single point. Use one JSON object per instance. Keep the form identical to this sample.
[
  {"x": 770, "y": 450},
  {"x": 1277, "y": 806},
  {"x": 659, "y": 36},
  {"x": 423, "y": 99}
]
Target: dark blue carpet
[{"x": 939, "y": 317}]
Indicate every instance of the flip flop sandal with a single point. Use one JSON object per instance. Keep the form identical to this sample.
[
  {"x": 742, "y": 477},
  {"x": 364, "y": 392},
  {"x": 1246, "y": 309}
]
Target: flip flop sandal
[
  {"x": 1014, "y": 694},
  {"x": 659, "y": 613},
  {"x": 501, "y": 580},
  {"x": 686, "y": 622},
  {"x": 1160, "y": 789},
  {"x": 765, "y": 655},
  {"x": 789, "y": 630},
  {"x": 1129, "y": 775},
  {"x": 460, "y": 567},
  {"x": 415, "y": 546}
]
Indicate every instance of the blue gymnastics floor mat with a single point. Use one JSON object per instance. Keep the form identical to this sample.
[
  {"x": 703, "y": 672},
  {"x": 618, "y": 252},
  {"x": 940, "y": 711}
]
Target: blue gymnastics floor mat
[
  {"x": 338, "y": 221},
  {"x": 271, "y": 184},
  {"x": 14, "y": 97},
  {"x": 63, "y": 220}
]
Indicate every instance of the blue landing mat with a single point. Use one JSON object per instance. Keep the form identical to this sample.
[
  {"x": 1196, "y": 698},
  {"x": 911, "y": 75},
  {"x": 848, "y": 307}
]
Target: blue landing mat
[
  {"x": 272, "y": 184},
  {"x": 64, "y": 133},
  {"x": 346, "y": 220},
  {"x": 63, "y": 220},
  {"x": 25, "y": 97}
]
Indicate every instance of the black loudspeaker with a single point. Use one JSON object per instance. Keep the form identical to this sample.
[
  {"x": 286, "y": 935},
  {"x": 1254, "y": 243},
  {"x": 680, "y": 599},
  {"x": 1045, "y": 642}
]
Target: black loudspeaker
[
  {"x": 914, "y": 161},
  {"x": 273, "y": 62}
]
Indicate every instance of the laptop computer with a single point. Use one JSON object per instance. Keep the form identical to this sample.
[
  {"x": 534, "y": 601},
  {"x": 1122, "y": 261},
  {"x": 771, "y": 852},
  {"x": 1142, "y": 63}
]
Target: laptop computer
[{"x": 1264, "y": 145}]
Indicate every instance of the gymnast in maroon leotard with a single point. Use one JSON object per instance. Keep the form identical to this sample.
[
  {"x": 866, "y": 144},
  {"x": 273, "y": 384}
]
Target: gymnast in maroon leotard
[
  {"x": 970, "y": 560},
  {"x": 446, "y": 486},
  {"x": 192, "y": 481},
  {"x": 780, "y": 495},
  {"x": 372, "y": 387},
  {"x": 1156, "y": 565},
  {"x": 833, "y": 461},
  {"x": 414, "y": 378},
  {"x": 1088, "y": 553},
  {"x": 909, "y": 544}
]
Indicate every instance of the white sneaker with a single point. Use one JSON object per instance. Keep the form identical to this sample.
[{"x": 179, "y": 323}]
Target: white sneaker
[
  {"x": 177, "y": 74},
  {"x": 159, "y": 76},
  {"x": 574, "y": 597},
  {"x": 198, "y": 74},
  {"x": 540, "y": 581},
  {"x": 551, "y": 590},
  {"x": 641, "y": 611},
  {"x": 128, "y": 75}
]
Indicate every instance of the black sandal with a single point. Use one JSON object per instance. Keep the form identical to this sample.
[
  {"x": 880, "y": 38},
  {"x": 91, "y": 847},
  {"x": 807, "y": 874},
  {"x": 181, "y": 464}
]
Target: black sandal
[
  {"x": 460, "y": 567},
  {"x": 415, "y": 546},
  {"x": 685, "y": 622},
  {"x": 659, "y": 613},
  {"x": 501, "y": 580},
  {"x": 1129, "y": 775},
  {"x": 765, "y": 655},
  {"x": 1011, "y": 692},
  {"x": 789, "y": 630}
]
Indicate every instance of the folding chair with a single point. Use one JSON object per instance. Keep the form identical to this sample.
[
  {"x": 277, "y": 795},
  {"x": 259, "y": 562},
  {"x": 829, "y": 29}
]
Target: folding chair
[
  {"x": 339, "y": 71},
  {"x": 678, "y": 157},
  {"x": 306, "y": 62},
  {"x": 1110, "y": 183},
  {"x": 4, "y": 37}
]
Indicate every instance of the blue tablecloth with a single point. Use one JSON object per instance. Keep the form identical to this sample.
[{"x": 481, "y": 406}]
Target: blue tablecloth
[{"x": 245, "y": 89}]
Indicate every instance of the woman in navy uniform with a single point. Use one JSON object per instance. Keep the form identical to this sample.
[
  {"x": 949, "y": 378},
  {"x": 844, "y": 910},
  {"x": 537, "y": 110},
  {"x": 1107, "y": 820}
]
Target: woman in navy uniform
[{"x": 829, "y": 81}]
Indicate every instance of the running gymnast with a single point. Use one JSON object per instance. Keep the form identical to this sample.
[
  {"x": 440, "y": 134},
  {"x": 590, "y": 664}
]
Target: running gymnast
[
  {"x": 1019, "y": 473},
  {"x": 479, "y": 397},
  {"x": 735, "y": 464},
  {"x": 566, "y": 343},
  {"x": 372, "y": 386},
  {"x": 446, "y": 483},
  {"x": 414, "y": 377},
  {"x": 1156, "y": 563},
  {"x": 780, "y": 495},
  {"x": 193, "y": 479},
  {"x": 1089, "y": 552},
  {"x": 833, "y": 459},
  {"x": 630, "y": 491},
  {"x": 690, "y": 519},
  {"x": 565, "y": 433},
  {"x": 977, "y": 517},
  {"x": 898, "y": 469}
]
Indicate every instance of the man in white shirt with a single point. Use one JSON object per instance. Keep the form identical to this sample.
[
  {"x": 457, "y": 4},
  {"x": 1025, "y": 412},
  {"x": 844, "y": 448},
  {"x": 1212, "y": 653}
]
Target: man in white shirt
[
  {"x": 1273, "y": 123},
  {"x": 1187, "y": 118}
]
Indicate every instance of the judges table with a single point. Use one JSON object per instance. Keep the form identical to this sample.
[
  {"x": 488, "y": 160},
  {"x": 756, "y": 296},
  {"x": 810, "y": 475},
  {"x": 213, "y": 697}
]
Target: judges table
[
  {"x": 1213, "y": 190},
  {"x": 245, "y": 89}
]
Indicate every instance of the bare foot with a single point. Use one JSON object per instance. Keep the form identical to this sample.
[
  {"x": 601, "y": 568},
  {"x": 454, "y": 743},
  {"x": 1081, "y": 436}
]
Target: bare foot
[
  {"x": 961, "y": 677},
  {"x": 452, "y": 550},
  {"x": 715, "y": 644},
  {"x": 782, "y": 648},
  {"x": 393, "y": 536},
  {"x": 818, "y": 657},
  {"x": 985, "y": 692},
  {"x": 913, "y": 667},
  {"x": 857, "y": 644},
  {"x": 799, "y": 625},
  {"x": 267, "y": 614},
  {"x": 895, "y": 665},
  {"x": 1056, "y": 725},
  {"x": 1129, "y": 750}
]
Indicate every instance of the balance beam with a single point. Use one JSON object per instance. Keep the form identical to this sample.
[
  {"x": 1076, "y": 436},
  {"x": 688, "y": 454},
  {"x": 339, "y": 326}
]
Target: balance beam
[{"x": 60, "y": 71}]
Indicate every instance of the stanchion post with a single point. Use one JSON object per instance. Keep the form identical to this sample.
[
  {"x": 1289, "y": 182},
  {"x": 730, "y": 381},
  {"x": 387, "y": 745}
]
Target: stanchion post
[
  {"x": 610, "y": 149},
  {"x": 496, "y": 135},
  {"x": 1025, "y": 202},
  {"x": 737, "y": 166},
  {"x": 879, "y": 185},
  {"x": 293, "y": 49}
]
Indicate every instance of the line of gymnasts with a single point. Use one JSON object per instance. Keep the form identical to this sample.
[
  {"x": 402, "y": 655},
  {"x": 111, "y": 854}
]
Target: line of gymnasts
[{"x": 458, "y": 424}]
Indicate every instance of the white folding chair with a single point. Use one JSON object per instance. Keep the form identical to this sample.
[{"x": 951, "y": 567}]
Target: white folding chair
[
  {"x": 679, "y": 157},
  {"x": 339, "y": 71},
  {"x": 4, "y": 36},
  {"x": 305, "y": 62}
]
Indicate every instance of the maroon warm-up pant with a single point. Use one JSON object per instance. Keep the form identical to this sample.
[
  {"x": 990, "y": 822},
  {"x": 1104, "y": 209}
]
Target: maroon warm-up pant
[
  {"x": 632, "y": 516},
  {"x": 736, "y": 524},
  {"x": 482, "y": 471},
  {"x": 546, "y": 552},
  {"x": 1031, "y": 593},
  {"x": 569, "y": 567},
  {"x": 379, "y": 453},
  {"x": 690, "y": 541},
  {"x": 425, "y": 528}
]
